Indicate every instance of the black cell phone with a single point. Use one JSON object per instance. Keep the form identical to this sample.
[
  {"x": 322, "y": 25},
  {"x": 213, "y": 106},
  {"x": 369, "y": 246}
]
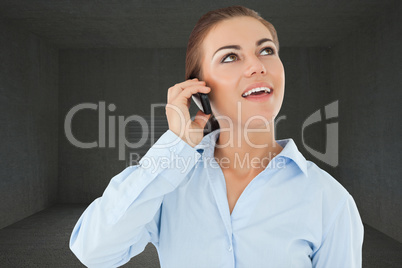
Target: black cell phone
[{"x": 202, "y": 101}]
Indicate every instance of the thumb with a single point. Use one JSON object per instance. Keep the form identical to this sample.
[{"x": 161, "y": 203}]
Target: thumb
[{"x": 201, "y": 118}]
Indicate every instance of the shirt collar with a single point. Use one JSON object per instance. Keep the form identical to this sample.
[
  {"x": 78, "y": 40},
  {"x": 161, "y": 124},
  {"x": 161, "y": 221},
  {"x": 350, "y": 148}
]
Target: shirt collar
[
  {"x": 207, "y": 147},
  {"x": 290, "y": 151}
]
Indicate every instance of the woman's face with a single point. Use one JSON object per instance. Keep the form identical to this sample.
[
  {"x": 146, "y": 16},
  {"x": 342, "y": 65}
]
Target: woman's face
[{"x": 237, "y": 57}]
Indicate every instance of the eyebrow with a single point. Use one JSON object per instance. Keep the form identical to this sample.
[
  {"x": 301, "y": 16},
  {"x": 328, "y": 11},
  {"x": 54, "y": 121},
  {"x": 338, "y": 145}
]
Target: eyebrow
[{"x": 237, "y": 47}]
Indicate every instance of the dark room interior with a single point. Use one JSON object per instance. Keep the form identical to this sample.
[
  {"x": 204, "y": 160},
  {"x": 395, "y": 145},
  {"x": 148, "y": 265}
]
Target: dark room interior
[{"x": 122, "y": 56}]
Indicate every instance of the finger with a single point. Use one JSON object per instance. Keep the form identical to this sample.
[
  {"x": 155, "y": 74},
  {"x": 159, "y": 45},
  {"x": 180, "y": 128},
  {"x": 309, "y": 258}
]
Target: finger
[
  {"x": 188, "y": 92},
  {"x": 184, "y": 95},
  {"x": 175, "y": 90}
]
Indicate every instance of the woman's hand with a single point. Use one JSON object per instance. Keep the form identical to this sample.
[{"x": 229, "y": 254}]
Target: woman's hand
[{"x": 178, "y": 115}]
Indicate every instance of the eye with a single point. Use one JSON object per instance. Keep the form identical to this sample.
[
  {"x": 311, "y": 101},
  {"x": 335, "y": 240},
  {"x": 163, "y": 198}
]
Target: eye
[
  {"x": 267, "y": 51},
  {"x": 229, "y": 58}
]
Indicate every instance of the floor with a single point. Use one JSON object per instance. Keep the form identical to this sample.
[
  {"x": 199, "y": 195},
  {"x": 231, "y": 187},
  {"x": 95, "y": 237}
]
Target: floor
[{"x": 41, "y": 240}]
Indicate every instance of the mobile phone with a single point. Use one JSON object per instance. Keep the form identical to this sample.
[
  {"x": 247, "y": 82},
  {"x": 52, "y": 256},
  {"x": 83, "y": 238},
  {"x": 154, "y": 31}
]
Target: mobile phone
[{"x": 202, "y": 101}]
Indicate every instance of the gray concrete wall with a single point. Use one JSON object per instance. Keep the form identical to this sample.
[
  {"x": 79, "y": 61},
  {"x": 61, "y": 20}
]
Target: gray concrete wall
[
  {"x": 307, "y": 90},
  {"x": 28, "y": 119},
  {"x": 132, "y": 80},
  {"x": 366, "y": 77}
]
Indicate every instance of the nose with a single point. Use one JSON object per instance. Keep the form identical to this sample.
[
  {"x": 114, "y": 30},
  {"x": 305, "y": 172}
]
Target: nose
[{"x": 255, "y": 66}]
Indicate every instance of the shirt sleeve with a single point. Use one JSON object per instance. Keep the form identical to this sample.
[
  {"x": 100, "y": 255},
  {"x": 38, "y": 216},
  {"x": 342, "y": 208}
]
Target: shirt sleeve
[
  {"x": 118, "y": 225},
  {"x": 342, "y": 242}
]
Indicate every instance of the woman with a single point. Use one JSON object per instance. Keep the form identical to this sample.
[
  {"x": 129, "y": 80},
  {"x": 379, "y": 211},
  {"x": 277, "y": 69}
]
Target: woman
[{"x": 232, "y": 197}]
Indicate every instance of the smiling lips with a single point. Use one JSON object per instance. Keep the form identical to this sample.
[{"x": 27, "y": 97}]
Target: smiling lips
[{"x": 258, "y": 91}]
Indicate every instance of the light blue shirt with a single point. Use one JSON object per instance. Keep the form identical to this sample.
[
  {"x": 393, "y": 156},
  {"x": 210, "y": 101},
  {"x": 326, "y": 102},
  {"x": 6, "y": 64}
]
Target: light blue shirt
[{"x": 292, "y": 214}]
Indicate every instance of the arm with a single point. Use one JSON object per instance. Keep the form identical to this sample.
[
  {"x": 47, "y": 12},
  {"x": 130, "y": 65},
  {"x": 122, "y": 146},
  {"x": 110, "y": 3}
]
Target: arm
[
  {"x": 343, "y": 239},
  {"x": 118, "y": 225}
]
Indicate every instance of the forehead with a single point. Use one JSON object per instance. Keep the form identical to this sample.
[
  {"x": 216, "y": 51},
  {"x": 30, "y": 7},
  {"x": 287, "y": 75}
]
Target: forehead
[{"x": 235, "y": 31}]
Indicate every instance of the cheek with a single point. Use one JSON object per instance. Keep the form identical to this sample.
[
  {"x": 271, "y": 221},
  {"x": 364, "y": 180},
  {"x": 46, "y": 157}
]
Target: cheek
[
  {"x": 222, "y": 98},
  {"x": 221, "y": 83},
  {"x": 278, "y": 70},
  {"x": 222, "y": 76}
]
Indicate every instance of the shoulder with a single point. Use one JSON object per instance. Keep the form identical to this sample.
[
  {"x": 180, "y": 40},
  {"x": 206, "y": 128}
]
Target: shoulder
[
  {"x": 317, "y": 179},
  {"x": 333, "y": 199},
  {"x": 340, "y": 220},
  {"x": 328, "y": 202},
  {"x": 322, "y": 181}
]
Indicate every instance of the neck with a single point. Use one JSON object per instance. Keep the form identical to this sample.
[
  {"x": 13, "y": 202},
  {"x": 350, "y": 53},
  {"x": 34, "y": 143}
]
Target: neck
[{"x": 246, "y": 151}]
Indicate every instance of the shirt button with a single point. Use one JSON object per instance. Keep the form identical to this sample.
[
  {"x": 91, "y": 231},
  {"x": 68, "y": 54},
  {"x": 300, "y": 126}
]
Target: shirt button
[{"x": 230, "y": 248}]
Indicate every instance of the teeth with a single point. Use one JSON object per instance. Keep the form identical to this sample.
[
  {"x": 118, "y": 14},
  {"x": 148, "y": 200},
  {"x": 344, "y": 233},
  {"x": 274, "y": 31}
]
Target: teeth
[{"x": 257, "y": 89}]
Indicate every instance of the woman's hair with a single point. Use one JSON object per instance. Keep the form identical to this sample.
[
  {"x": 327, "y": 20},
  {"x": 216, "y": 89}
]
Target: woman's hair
[{"x": 200, "y": 31}]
